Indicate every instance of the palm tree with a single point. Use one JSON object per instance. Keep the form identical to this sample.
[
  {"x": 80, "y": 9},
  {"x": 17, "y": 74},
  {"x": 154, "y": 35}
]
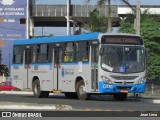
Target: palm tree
[
  {"x": 102, "y": 2},
  {"x": 96, "y": 22}
]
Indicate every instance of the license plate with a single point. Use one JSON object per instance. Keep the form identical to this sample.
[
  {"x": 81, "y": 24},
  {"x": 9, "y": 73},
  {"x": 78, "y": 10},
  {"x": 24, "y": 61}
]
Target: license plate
[{"x": 124, "y": 91}]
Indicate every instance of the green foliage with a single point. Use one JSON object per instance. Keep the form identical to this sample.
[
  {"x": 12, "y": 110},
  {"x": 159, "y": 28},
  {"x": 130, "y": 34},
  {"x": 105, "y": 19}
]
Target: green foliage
[
  {"x": 150, "y": 31},
  {"x": 127, "y": 28},
  {"x": 153, "y": 49},
  {"x": 4, "y": 70},
  {"x": 97, "y": 22}
]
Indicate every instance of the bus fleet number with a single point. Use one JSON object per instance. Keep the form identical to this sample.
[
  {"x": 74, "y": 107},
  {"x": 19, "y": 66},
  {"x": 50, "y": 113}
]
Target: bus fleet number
[{"x": 35, "y": 67}]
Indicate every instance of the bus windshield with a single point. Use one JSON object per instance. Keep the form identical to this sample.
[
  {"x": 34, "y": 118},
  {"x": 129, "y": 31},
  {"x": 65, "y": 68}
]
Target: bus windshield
[{"x": 123, "y": 59}]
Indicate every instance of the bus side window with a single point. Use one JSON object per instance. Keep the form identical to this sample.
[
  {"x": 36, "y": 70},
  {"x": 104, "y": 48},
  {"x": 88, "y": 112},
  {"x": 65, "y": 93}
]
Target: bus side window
[
  {"x": 40, "y": 53},
  {"x": 69, "y": 52},
  {"x": 82, "y": 51},
  {"x": 18, "y": 54},
  {"x": 44, "y": 48},
  {"x": 86, "y": 53}
]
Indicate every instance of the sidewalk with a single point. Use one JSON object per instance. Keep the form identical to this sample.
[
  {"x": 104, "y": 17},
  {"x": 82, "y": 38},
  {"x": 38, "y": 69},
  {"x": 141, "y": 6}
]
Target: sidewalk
[
  {"x": 29, "y": 106},
  {"x": 17, "y": 92}
]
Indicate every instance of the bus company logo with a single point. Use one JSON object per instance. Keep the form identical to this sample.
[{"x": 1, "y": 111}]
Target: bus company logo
[
  {"x": 6, "y": 114},
  {"x": 7, "y": 2}
]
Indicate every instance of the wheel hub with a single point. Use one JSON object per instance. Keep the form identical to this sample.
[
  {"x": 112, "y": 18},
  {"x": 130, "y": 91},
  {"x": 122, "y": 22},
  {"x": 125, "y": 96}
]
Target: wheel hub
[{"x": 82, "y": 90}]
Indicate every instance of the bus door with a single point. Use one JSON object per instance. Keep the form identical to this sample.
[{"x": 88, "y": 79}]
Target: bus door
[
  {"x": 57, "y": 53},
  {"x": 94, "y": 66},
  {"x": 27, "y": 66}
]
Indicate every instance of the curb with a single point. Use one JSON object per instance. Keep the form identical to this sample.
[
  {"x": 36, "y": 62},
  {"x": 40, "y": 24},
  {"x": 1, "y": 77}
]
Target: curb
[
  {"x": 16, "y": 92},
  {"x": 33, "y": 106},
  {"x": 152, "y": 100},
  {"x": 30, "y": 106}
]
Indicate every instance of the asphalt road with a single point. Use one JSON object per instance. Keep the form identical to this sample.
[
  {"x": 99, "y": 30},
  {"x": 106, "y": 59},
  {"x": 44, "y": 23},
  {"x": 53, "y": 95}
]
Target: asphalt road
[{"x": 101, "y": 103}]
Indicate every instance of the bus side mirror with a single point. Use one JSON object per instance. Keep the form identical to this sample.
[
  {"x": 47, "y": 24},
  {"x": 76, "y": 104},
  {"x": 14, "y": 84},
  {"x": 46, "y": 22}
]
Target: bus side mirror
[{"x": 101, "y": 50}]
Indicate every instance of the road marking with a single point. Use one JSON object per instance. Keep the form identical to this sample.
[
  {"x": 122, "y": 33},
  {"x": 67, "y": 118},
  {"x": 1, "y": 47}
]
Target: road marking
[
  {"x": 98, "y": 110},
  {"x": 107, "y": 110},
  {"x": 87, "y": 109},
  {"x": 156, "y": 101}
]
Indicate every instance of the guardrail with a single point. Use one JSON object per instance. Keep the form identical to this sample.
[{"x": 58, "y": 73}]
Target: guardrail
[{"x": 75, "y": 10}]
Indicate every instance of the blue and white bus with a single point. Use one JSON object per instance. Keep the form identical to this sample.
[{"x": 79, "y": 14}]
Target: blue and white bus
[{"x": 81, "y": 65}]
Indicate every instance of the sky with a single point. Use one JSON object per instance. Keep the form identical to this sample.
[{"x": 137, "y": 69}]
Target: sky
[{"x": 62, "y": 31}]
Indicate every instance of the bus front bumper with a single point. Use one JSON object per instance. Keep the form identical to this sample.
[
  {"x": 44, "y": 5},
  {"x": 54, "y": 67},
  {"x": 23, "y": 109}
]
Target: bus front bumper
[{"x": 121, "y": 88}]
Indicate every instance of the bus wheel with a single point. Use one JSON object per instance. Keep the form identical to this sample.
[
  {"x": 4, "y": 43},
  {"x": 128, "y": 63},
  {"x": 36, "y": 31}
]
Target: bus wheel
[
  {"x": 71, "y": 95},
  {"x": 81, "y": 91},
  {"x": 36, "y": 89},
  {"x": 120, "y": 96}
]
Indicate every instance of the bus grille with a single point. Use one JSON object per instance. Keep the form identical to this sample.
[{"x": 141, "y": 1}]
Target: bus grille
[
  {"x": 124, "y": 77},
  {"x": 122, "y": 88},
  {"x": 123, "y": 82}
]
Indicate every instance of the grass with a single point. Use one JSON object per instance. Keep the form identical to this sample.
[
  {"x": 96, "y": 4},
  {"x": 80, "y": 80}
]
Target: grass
[{"x": 149, "y": 94}]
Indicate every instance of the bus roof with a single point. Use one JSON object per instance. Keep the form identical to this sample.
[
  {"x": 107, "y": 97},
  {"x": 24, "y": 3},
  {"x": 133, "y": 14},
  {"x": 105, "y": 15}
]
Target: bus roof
[{"x": 70, "y": 38}]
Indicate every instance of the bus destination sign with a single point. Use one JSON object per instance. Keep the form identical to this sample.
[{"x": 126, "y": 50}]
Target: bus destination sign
[{"x": 132, "y": 40}]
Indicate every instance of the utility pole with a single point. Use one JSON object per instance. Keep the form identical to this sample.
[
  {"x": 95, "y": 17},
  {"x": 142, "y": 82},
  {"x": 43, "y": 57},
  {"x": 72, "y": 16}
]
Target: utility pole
[
  {"x": 68, "y": 17},
  {"x": 27, "y": 20},
  {"x": 138, "y": 10}
]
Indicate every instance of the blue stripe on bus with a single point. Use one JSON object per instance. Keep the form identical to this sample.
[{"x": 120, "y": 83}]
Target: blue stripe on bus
[
  {"x": 71, "y": 38},
  {"x": 16, "y": 64},
  {"x": 63, "y": 63},
  {"x": 41, "y": 64},
  {"x": 73, "y": 63},
  {"x": 32, "y": 64}
]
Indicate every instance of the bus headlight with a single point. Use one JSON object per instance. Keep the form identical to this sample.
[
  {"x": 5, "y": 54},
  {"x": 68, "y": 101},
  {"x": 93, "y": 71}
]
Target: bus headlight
[
  {"x": 141, "y": 80},
  {"x": 106, "y": 79}
]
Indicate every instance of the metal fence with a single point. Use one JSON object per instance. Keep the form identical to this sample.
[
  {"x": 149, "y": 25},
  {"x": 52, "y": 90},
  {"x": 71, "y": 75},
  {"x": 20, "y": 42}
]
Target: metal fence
[
  {"x": 75, "y": 10},
  {"x": 153, "y": 88}
]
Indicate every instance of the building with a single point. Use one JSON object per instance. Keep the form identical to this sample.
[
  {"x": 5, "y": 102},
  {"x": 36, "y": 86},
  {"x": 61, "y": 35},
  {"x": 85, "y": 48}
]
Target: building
[{"x": 12, "y": 26}]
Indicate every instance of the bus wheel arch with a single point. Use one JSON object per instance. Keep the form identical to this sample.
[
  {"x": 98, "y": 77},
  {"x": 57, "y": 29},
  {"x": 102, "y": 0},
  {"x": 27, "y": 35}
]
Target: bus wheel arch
[
  {"x": 37, "y": 90},
  {"x": 34, "y": 78},
  {"x": 80, "y": 89}
]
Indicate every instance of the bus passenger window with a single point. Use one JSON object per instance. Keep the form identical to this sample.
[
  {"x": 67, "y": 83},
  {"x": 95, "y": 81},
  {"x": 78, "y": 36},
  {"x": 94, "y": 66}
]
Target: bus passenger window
[
  {"x": 85, "y": 58},
  {"x": 69, "y": 52},
  {"x": 40, "y": 53},
  {"x": 82, "y": 51},
  {"x": 18, "y": 55}
]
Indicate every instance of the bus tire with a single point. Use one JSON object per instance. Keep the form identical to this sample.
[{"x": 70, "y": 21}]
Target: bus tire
[
  {"x": 71, "y": 95},
  {"x": 81, "y": 93},
  {"x": 120, "y": 96},
  {"x": 36, "y": 89}
]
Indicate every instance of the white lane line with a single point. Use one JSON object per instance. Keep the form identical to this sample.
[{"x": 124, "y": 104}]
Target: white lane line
[{"x": 156, "y": 101}]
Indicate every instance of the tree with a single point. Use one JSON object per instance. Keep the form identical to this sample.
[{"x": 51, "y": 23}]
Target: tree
[
  {"x": 150, "y": 31},
  {"x": 102, "y": 2},
  {"x": 4, "y": 70},
  {"x": 96, "y": 22}
]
